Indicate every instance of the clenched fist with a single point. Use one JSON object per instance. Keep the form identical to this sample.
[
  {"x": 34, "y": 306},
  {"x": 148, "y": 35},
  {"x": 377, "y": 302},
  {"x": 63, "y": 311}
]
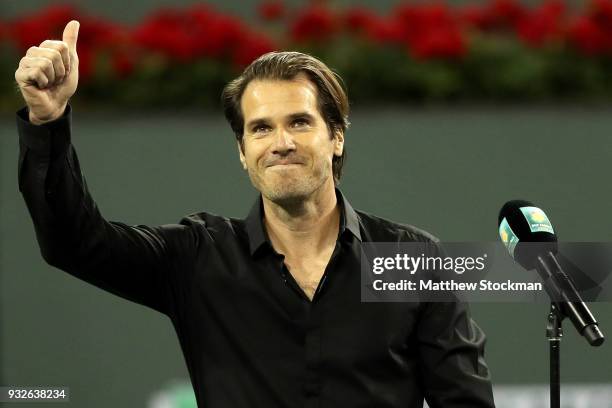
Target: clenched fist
[{"x": 48, "y": 75}]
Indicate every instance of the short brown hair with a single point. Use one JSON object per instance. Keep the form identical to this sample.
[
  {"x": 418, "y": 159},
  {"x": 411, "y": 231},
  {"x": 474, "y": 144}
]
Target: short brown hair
[{"x": 285, "y": 65}]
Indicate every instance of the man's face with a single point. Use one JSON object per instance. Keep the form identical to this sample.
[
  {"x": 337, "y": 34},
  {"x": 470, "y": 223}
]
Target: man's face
[{"x": 288, "y": 150}]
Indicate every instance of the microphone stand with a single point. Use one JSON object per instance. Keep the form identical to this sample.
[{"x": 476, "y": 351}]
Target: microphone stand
[{"x": 554, "y": 332}]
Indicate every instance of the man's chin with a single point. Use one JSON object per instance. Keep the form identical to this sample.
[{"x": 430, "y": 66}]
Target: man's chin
[{"x": 289, "y": 194}]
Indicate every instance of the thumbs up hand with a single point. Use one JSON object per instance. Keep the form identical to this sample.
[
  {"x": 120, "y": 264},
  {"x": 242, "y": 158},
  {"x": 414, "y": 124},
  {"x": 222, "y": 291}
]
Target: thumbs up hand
[{"x": 48, "y": 75}]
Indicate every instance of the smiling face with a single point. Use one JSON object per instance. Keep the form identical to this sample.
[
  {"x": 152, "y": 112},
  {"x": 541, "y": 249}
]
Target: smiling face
[{"x": 287, "y": 148}]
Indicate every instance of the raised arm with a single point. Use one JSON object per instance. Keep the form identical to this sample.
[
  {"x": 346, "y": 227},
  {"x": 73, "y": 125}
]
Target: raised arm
[{"x": 139, "y": 263}]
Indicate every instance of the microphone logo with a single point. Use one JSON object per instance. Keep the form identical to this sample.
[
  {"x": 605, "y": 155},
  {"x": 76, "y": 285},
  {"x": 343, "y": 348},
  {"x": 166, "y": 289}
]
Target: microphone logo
[
  {"x": 537, "y": 220},
  {"x": 508, "y": 236}
]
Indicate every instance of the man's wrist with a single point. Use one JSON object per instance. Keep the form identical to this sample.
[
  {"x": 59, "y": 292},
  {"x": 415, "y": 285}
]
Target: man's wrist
[
  {"x": 40, "y": 137},
  {"x": 41, "y": 121}
]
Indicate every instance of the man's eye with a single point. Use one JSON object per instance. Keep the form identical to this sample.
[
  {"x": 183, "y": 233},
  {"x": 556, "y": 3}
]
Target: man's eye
[
  {"x": 300, "y": 122},
  {"x": 261, "y": 128}
]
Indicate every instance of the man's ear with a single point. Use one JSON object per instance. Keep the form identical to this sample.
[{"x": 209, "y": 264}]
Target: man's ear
[
  {"x": 338, "y": 142},
  {"x": 241, "y": 154}
]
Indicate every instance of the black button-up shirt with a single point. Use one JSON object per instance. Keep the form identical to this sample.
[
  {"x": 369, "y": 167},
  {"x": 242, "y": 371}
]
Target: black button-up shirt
[{"x": 250, "y": 336}]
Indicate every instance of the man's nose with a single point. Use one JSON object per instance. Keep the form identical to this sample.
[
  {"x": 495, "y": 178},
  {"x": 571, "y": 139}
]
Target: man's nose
[{"x": 283, "y": 141}]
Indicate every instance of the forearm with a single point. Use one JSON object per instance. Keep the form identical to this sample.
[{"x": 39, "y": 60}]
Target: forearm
[
  {"x": 47, "y": 184},
  {"x": 130, "y": 261}
]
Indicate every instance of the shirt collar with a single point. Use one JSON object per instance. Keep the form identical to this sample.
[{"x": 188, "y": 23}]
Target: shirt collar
[{"x": 349, "y": 221}]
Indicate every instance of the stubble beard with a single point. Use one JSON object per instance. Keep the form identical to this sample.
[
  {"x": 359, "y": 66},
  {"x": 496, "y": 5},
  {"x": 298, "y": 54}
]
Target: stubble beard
[{"x": 289, "y": 190}]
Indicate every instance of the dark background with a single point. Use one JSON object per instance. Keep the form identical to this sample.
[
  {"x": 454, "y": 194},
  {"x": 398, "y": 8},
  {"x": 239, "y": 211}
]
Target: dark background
[{"x": 447, "y": 169}]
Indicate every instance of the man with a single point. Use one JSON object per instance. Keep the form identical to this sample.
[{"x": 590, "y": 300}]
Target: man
[{"x": 267, "y": 309}]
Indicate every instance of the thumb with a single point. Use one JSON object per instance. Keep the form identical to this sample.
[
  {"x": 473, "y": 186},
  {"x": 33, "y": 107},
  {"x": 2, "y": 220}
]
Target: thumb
[{"x": 71, "y": 34}]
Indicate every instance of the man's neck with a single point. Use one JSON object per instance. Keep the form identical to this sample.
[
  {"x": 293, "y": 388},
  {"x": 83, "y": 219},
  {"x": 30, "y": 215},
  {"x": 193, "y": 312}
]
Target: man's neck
[{"x": 305, "y": 229}]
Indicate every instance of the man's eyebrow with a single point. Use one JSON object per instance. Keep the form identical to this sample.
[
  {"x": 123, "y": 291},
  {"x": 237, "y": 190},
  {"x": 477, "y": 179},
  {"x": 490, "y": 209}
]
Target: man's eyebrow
[
  {"x": 257, "y": 121},
  {"x": 301, "y": 115},
  {"x": 264, "y": 121}
]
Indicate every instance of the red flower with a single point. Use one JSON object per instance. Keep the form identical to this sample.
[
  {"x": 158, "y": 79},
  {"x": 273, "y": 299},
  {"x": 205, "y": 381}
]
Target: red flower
[
  {"x": 544, "y": 24},
  {"x": 101, "y": 33},
  {"x": 220, "y": 36},
  {"x": 186, "y": 35},
  {"x": 47, "y": 24},
  {"x": 477, "y": 16},
  {"x": 251, "y": 48},
  {"x": 360, "y": 19},
  {"x": 498, "y": 15},
  {"x": 314, "y": 23},
  {"x": 415, "y": 20},
  {"x": 431, "y": 31},
  {"x": 380, "y": 30},
  {"x": 123, "y": 63},
  {"x": 271, "y": 10},
  {"x": 164, "y": 32},
  {"x": 508, "y": 12},
  {"x": 588, "y": 37},
  {"x": 386, "y": 31},
  {"x": 439, "y": 43},
  {"x": 86, "y": 62},
  {"x": 602, "y": 12}
]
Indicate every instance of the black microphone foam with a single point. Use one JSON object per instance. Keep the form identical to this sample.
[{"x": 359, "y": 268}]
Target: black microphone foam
[
  {"x": 530, "y": 238},
  {"x": 521, "y": 222}
]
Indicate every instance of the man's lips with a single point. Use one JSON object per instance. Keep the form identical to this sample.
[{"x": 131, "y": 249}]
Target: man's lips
[{"x": 284, "y": 163}]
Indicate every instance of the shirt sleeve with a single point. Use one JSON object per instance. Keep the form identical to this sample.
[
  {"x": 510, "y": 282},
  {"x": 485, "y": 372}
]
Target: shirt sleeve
[
  {"x": 138, "y": 263},
  {"x": 451, "y": 349}
]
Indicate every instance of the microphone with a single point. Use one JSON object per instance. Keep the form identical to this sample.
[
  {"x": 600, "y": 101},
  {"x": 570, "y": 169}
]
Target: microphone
[{"x": 530, "y": 239}]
